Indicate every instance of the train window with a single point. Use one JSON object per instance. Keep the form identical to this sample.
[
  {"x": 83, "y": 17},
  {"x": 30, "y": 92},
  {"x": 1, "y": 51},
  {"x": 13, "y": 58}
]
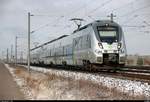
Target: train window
[
  {"x": 68, "y": 49},
  {"x": 75, "y": 43},
  {"x": 65, "y": 50},
  {"x": 108, "y": 34},
  {"x": 103, "y": 28},
  {"x": 80, "y": 43},
  {"x": 61, "y": 51},
  {"x": 50, "y": 52},
  {"x": 89, "y": 41},
  {"x": 58, "y": 51},
  {"x": 86, "y": 42},
  {"x": 83, "y": 42}
]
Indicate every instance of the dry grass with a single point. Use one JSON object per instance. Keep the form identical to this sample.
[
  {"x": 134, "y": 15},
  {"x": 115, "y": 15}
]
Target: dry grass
[
  {"x": 95, "y": 91},
  {"x": 61, "y": 86},
  {"x": 17, "y": 71},
  {"x": 51, "y": 77},
  {"x": 146, "y": 61},
  {"x": 130, "y": 62}
]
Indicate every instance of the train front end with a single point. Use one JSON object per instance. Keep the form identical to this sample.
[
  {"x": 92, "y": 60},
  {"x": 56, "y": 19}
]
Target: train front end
[{"x": 109, "y": 43}]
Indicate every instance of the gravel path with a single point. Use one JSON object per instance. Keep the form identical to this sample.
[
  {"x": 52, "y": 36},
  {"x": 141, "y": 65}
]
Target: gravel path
[{"x": 8, "y": 88}]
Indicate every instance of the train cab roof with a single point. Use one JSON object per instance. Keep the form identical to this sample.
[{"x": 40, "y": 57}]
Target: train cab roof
[
  {"x": 104, "y": 23},
  {"x": 98, "y": 23}
]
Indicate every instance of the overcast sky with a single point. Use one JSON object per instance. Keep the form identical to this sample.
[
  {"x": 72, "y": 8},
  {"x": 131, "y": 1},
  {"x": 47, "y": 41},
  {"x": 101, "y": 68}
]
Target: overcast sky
[{"x": 51, "y": 20}]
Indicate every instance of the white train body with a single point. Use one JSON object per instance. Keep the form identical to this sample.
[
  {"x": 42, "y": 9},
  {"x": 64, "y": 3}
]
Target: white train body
[{"x": 100, "y": 42}]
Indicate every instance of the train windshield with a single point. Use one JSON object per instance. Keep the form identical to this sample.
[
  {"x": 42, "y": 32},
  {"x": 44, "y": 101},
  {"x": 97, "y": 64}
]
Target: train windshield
[{"x": 108, "y": 34}]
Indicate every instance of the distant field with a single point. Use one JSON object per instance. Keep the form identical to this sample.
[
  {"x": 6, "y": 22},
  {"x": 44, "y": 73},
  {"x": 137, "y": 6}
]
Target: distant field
[{"x": 138, "y": 60}]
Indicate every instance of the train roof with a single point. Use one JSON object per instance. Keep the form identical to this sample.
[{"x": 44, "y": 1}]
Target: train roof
[
  {"x": 50, "y": 41},
  {"x": 99, "y": 22}
]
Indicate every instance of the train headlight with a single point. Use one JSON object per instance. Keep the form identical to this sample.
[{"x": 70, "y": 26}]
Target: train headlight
[
  {"x": 119, "y": 45},
  {"x": 106, "y": 24},
  {"x": 100, "y": 45}
]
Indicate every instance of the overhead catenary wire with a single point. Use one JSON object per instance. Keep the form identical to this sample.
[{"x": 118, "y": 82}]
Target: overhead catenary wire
[
  {"x": 64, "y": 28},
  {"x": 146, "y": 31},
  {"x": 94, "y": 10},
  {"x": 130, "y": 3},
  {"x": 135, "y": 16},
  {"x": 47, "y": 15},
  {"x": 131, "y": 12},
  {"x": 48, "y": 24},
  {"x": 77, "y": 10},
  {"x": 146, "y": 23},
  {"x": 102, "y": 5},
  {"x": 142, "y": 24},
  {"x": 70, "y": 13},
  {"x": 105, "y": 3},
  {"x": 54, "y": 21},
  {"x": 131, "y": 19},
  {"x": 89, "y": 16},
  {"x": 45, "y": 25},
  {"x": 136, "y": 10},
  {"x": 133, "y": 26}
]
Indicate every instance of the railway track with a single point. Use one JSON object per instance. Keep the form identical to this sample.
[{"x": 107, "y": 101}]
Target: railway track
[
  {"x": 138, "y": 73},
  {"x": 138, "y": 67}
]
